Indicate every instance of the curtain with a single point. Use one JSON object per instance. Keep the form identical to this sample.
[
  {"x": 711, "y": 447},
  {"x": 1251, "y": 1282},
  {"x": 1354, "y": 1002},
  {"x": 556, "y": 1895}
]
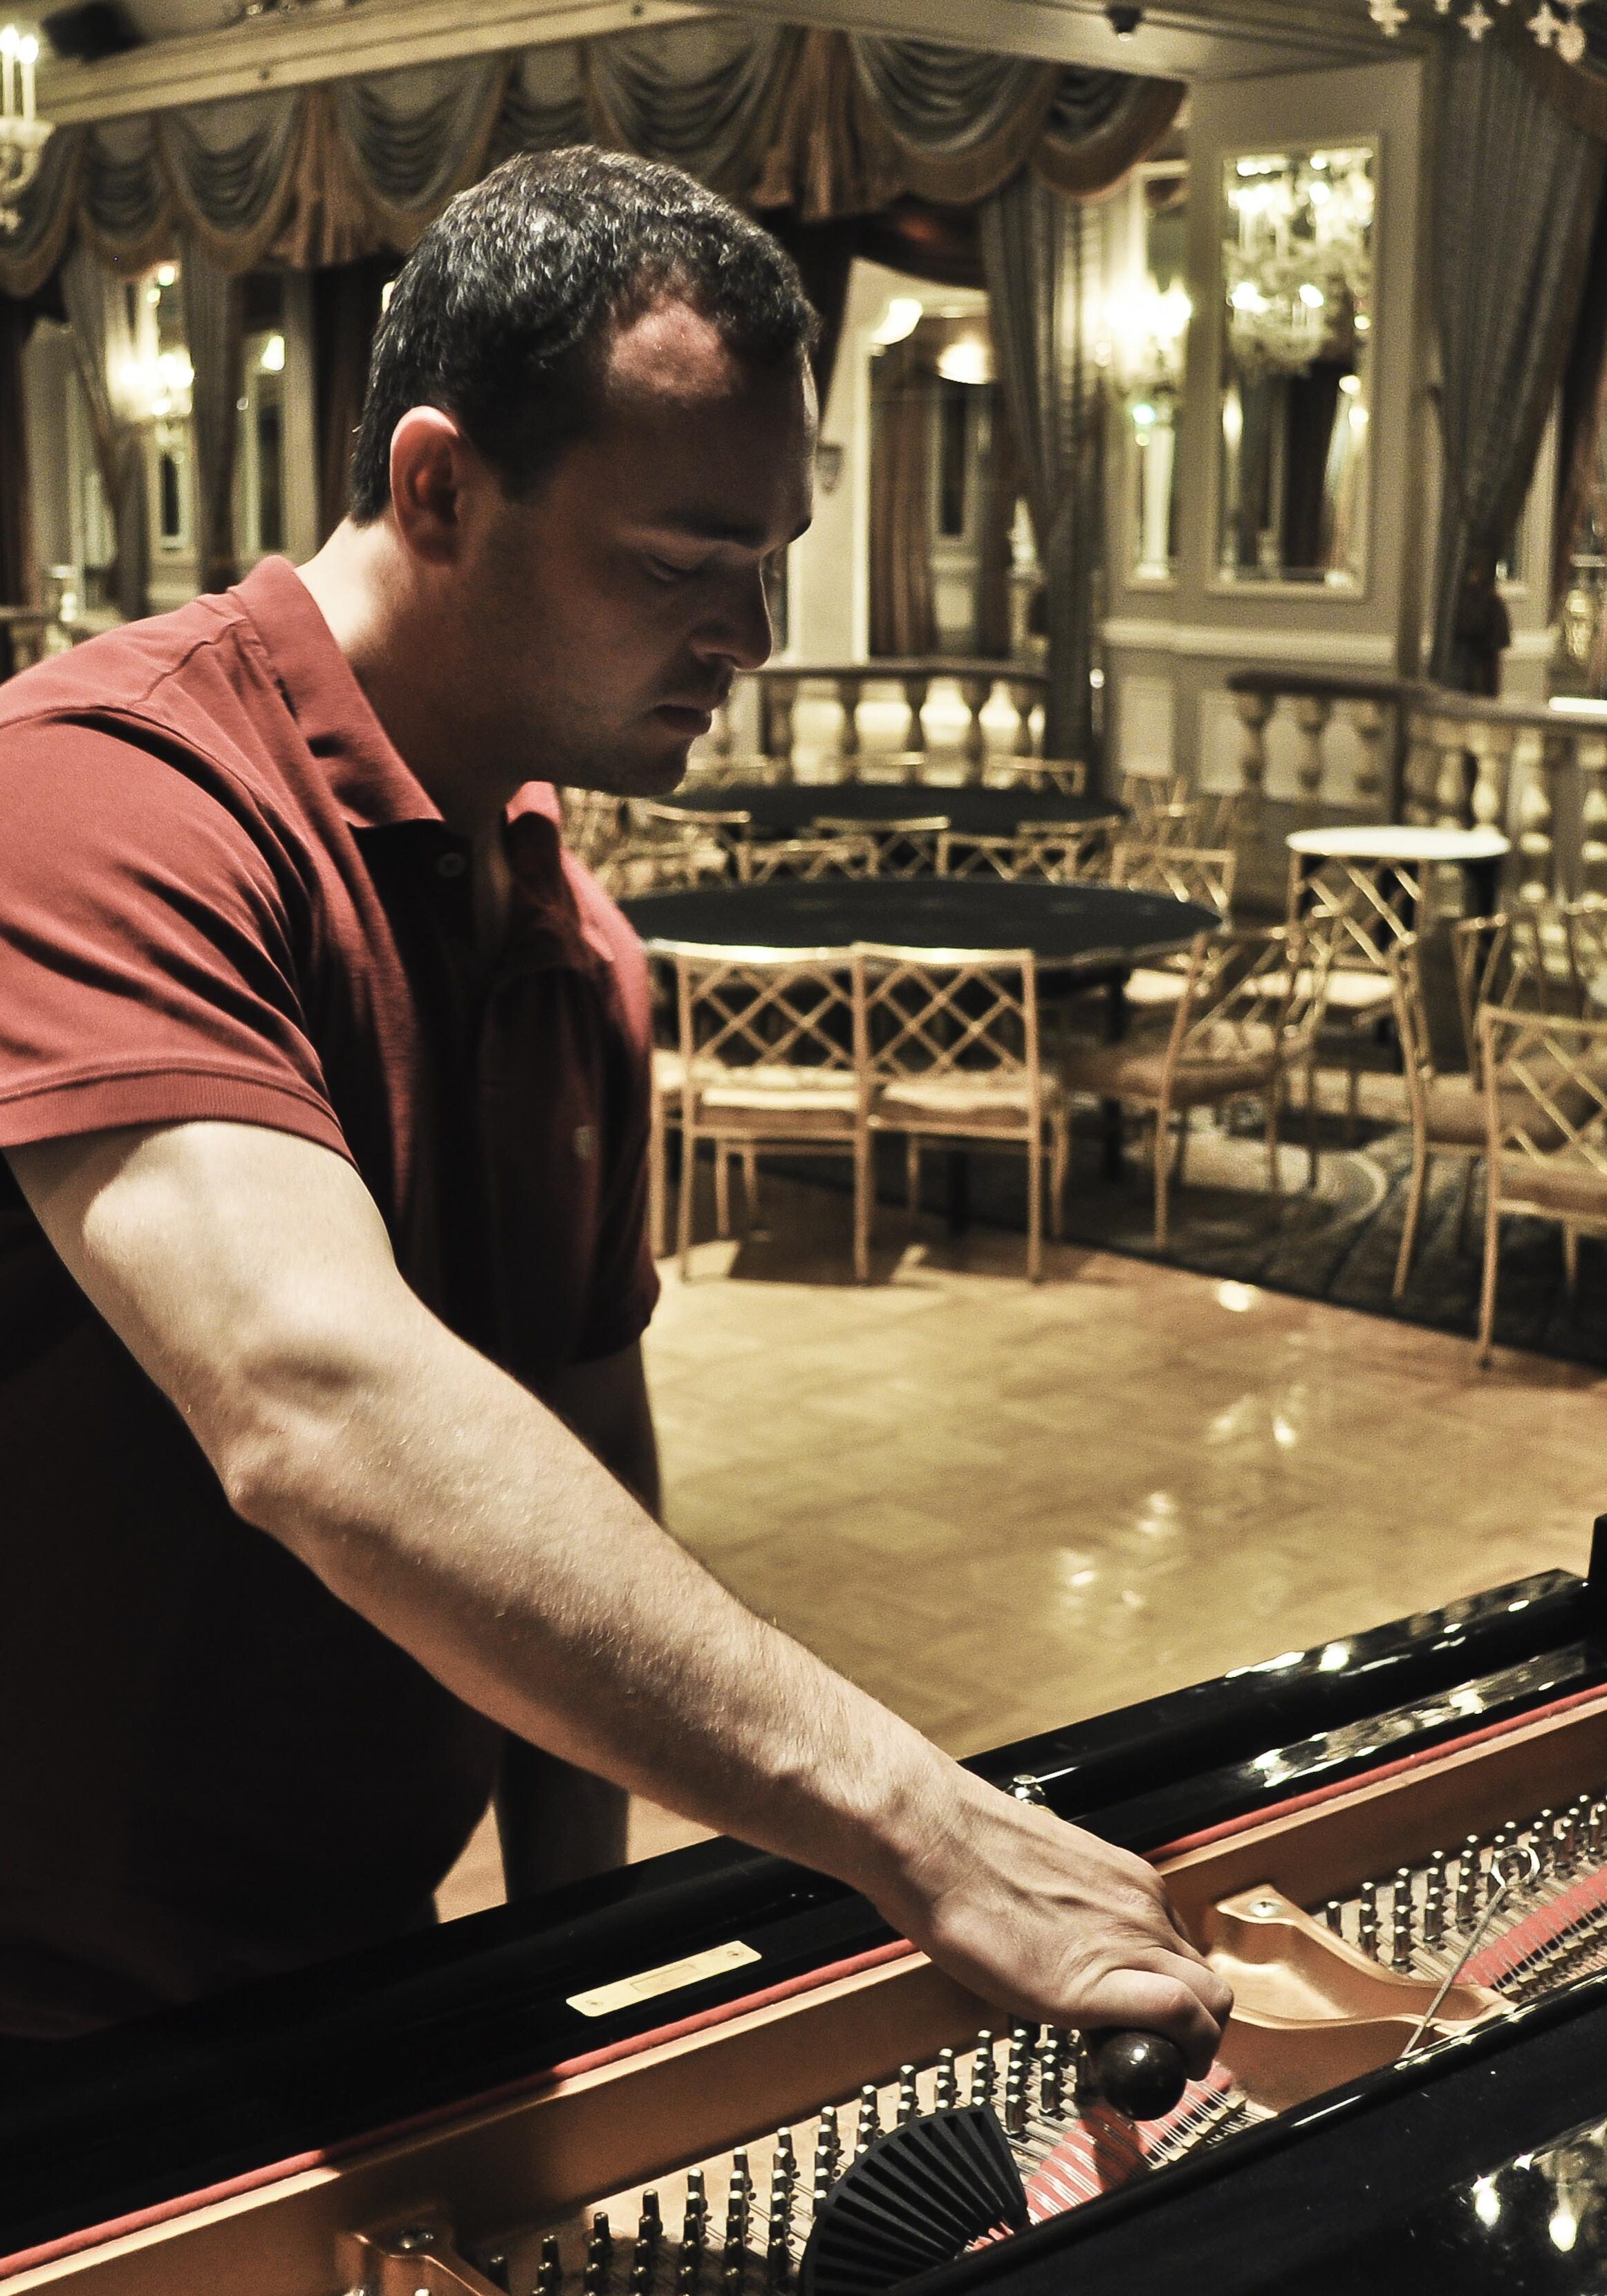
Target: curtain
[
  {"x": 214, "y": 325},
  {"x": 18, "y": 579},
  {"x": 828, "y": 124},
  {"x": 97, "y": 317},
  {"x": 902, "y": 397},
  {"x": 1516, "y": 190},
  {"x": 1582, "y": 415},
  {"x": 1001, "y": 489},
  {"x": 347, "y": 301},
  {"x": 1038, "y": 254}
]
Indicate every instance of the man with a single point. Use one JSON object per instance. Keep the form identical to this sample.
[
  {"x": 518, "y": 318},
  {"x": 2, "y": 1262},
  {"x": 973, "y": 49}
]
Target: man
[{"x": 325, "y": 1077}]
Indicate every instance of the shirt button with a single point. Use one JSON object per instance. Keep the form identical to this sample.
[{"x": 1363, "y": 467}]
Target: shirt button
[{"x": 451, "y": 865}]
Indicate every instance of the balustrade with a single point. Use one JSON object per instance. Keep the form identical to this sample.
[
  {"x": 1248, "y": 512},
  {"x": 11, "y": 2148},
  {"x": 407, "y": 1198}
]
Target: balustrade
[
  {"x": 781, "y": 684},
  {"x": 1371, "y": 705}
]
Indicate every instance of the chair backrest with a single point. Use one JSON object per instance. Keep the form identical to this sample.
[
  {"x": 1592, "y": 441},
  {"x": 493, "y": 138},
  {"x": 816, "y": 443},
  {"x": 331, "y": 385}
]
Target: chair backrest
[
  {"x": 1188, "y": 873},
  {"x": 661, "y": 864},
  {"x": 1411, "y": 1018},
  {"x": 596, "y": 824},
  {"x": 911, "y": 848},
  {"x": 1360, "y": 908},
  {"x": 713, "y": 771},
  {"x": 963, "y": 1012},
  {"x": 807, "y": 859},
  {"x": 1248, "y": 994},
  {"x": 1056, "y": 776},
  {"x": 758, "y": 1009},
  {"x": 1585, "y": 938},
  {"x": 1064, "y": 852},
  {"x": 732, "y": 832},
  {"x": 1545, "y": 1094}
]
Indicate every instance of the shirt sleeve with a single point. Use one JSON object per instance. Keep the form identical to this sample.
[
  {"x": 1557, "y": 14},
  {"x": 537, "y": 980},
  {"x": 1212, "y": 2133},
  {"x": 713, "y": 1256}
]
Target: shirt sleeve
[
  {"x": 624, "y": 1288},
  {"x": 150, "y": 918}
]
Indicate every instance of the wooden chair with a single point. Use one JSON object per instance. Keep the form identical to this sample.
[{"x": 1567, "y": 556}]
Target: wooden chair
[
  {"x": 767, "y": 1055},
  {"x": 661, "y": 864},
  {"x": 1359, "y": 910},
  {"x": 1168, "y": 812},
  {"x": 732, "y": 833},
  {"x": 1064, "y": 852},
  {"x": 950, "y": 1050},
  {"x": 912, "y": 848},
  {"x": 596, "y": 824},
  {"x": 714, "y": 771},
  {"x": 1052, "y": 776},
  {"x": 1584, "y": 925},
  {"x": 807, "y": 859},
  {"x": 1251, "y": 1006},
  {"x": 1545, "y": 1107},
  {"x": 1187, "y": 872}
]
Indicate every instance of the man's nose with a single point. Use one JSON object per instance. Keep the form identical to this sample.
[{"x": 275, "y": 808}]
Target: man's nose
[{"x": 739, "y": 630}]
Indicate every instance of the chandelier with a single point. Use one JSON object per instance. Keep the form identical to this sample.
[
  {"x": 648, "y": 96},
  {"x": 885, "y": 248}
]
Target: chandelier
[
  {"x": 1557, "y": 27},
  {"x": 22, "y": 135}
]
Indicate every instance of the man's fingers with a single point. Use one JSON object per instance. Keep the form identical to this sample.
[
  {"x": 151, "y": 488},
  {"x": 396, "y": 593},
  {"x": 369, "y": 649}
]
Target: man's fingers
[{"x": 1150, "y": 2003}]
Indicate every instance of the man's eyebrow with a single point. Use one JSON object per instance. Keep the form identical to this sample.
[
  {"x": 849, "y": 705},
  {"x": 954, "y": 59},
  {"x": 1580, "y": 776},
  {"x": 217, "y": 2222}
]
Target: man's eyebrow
[{"x": 707, "y": 526}]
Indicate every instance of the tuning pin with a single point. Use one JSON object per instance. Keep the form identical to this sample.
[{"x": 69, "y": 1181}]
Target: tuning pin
[
  {"x": 1468, "y": 1880},
  {"x": 981, "y": 2069},
  {"x": 1051, "y": 2065},
  {"x": 599, "y": 2254},
  {"x": 1333, "y": 1914},
  {"x": 1400, "y": 1920},
  {"x": 947, "y": 2091},
  {"x": 1434, "y": 1903},
  {"x": 909, "y": 2104},
  {"x": 828, "y": 2142},
  {"x": 1367, "y": 1919},
  {"x": 1543, "y": 1840},
  {"x": 869, "y": 2126},
  {"x": 1084, "y": 2080},
  {"x": 651, "y": 2226},
  {"x": 549, "y": 2272},
  {"x": 786, "y": 2159}
]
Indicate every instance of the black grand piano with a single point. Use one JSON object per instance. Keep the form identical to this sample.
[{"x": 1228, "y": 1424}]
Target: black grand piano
[{"x": 663, "y": 2083}]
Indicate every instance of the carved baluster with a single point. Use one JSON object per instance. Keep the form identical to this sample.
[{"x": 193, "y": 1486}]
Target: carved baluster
[
  {"x": 915, "y": 690},
  {"x": 782, "y": 695},
  {"x": 1371, "y": 720},
  {"x": 974, "y": 692},
  {"x": 1312, "y": 712},
  {"x": 1450, "y": 776},
  {"x": 1536, "y": 817},
  {"x": 1253, "y": 710},
  {"x": 1492, "y": 747},
  {"x": 1023, "y": 694},
  {"x": 1419, "y": 771},
  {"x": 722, "y": 740},
  {"x": 849, "y": 693},
  {"x": 1591, "y": 753}
]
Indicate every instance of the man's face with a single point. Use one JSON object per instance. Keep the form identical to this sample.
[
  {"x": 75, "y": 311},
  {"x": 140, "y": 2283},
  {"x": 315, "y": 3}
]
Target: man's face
[{"x": 610, "y": 612}]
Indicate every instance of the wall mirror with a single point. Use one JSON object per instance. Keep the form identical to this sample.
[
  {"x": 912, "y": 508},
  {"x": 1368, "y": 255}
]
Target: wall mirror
[
  {"x": 1294, "y": 402},
  {"x": 1147, "y": 323}
]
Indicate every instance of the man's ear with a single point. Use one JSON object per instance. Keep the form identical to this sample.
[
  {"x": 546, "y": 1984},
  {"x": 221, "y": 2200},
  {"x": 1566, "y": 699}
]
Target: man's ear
[{"x": 430, "y": 463}]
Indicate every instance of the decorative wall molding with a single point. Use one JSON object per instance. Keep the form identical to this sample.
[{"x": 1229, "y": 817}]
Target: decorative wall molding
[
  {"x": 315, "y": 45},
  {"x": 1207, "y": 642}
]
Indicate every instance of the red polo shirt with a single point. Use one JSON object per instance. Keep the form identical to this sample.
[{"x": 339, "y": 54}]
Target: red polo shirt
[{"x": 223, "y": 895}]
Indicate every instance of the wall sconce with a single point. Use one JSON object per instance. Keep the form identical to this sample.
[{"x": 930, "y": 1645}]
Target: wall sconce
[{"x": 22, "y": 135}]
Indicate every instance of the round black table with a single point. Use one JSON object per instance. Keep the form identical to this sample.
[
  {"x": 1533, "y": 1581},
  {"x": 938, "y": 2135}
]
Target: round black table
[
  {"x": 1099, "y": 931},
  {"x": 1083, "y": 935},
  {"x": 785, "y": 809}
]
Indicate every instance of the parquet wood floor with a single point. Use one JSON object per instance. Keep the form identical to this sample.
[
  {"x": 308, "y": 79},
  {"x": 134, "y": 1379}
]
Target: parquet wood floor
[{"x": 1001, "y": 1506}]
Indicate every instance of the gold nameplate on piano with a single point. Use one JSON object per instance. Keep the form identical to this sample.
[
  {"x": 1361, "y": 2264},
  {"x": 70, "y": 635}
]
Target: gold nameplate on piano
[{"x": 668, "y": 1978}]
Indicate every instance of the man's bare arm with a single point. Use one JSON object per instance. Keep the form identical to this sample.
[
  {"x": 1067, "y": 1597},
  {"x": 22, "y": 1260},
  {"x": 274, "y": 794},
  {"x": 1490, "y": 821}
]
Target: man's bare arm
[
  {"x": 250, "y": 1273},
  {"x": 606, "y": 1404}
]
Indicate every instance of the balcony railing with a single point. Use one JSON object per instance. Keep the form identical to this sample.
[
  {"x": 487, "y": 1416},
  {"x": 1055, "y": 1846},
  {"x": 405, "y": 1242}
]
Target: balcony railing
[{"x": 781, "y": 684}]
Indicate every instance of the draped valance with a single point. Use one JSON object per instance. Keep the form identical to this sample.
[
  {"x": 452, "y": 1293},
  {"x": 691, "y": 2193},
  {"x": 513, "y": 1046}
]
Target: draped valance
[{"x": 828, "y": 124}]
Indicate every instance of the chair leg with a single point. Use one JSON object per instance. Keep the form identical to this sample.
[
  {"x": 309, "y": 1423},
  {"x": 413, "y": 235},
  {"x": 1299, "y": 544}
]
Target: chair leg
[
  {"x": 1035, "y": 1209},
  {"x": 1353, "y": 1104},
  {"x": 1311, "y": 1156},
  {"x": 1060, "y": 1157},
  {"x": 750, "y": 1182},
  {"x": 1570, "y": 1259},
  {"x": 1274, "y": 1177},
  {"x": 1162, "y": 1171},
  {"x": 1492, "y": 1253},
  {"x": 1465, "y": 1202},
  {"x": 1415, "y": 1187},
  {"x": 1182, "y": 1155},
  {"x": 722, "y": 1190},
  {"x": 689, "y": 1165},
  {"x": 863, "y": 1199},
  {"x": 912, "y": 1171},
  {"x": 658, "y": 1160}
]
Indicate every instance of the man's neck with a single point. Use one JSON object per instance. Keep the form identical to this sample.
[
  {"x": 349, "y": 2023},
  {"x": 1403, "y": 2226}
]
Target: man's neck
[{"x": 362, "y": 586}]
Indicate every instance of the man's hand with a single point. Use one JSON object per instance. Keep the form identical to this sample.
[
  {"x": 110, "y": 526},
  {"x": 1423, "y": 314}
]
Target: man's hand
[
  {"x": 250, "y": 1273},
  {"x": 1057, "y": 1925}
]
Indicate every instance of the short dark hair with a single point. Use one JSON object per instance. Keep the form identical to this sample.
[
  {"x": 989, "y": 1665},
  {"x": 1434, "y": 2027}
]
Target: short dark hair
[{"x": 503, "y": 313}]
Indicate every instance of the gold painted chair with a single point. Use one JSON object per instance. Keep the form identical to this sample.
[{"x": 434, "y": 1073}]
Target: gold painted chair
[
  {"x": 1546, "y": 1109},
  {"x": 807, "y": 859},
  {"x": 596, "y": 824},
  {"x": 662, "y": 865},
  {"x": 1249, "y": 1010},
  {"x": 1187, "y": 872},
  {"x": 732, "y": 832},
  {"x": 1060, "y": 852},
  {"x": 1584, "y": 931},
  {"x": 713, "y": 771},
  {"x": 950, "y": 1050},
  {"x": 1359, "y": 910},
  {"x": 766, "y": 1059},
  {"x": 1169, "y": 812},
  {"x": 911, "y": 848},
  {"x": 1052, "y": 776}
]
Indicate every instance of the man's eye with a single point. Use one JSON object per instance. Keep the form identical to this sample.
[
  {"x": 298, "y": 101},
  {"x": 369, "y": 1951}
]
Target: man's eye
[{"x": 665, "y": 569}]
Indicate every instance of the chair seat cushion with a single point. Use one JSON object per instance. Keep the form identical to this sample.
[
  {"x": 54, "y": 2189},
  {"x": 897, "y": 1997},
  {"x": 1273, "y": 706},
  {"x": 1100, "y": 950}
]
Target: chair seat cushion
[
  {"x": 990, "y": 1101},
  {"x": 1134, "y": 1071},
  {"x": 1153, "y": 984},
  {"x": 1352, "y": 994},
  {"x": 781, "y": 1097},
  {"x": 1564, "y": 1187}
]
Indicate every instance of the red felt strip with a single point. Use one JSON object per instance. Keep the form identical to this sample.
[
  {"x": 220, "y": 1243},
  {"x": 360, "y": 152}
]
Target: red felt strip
[{"x": 1504, "y": 1954}]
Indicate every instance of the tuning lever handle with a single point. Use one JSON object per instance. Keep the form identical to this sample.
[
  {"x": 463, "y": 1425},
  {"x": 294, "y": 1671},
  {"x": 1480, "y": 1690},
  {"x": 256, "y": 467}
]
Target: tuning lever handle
[{"x": 1141, "y": 2074}]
